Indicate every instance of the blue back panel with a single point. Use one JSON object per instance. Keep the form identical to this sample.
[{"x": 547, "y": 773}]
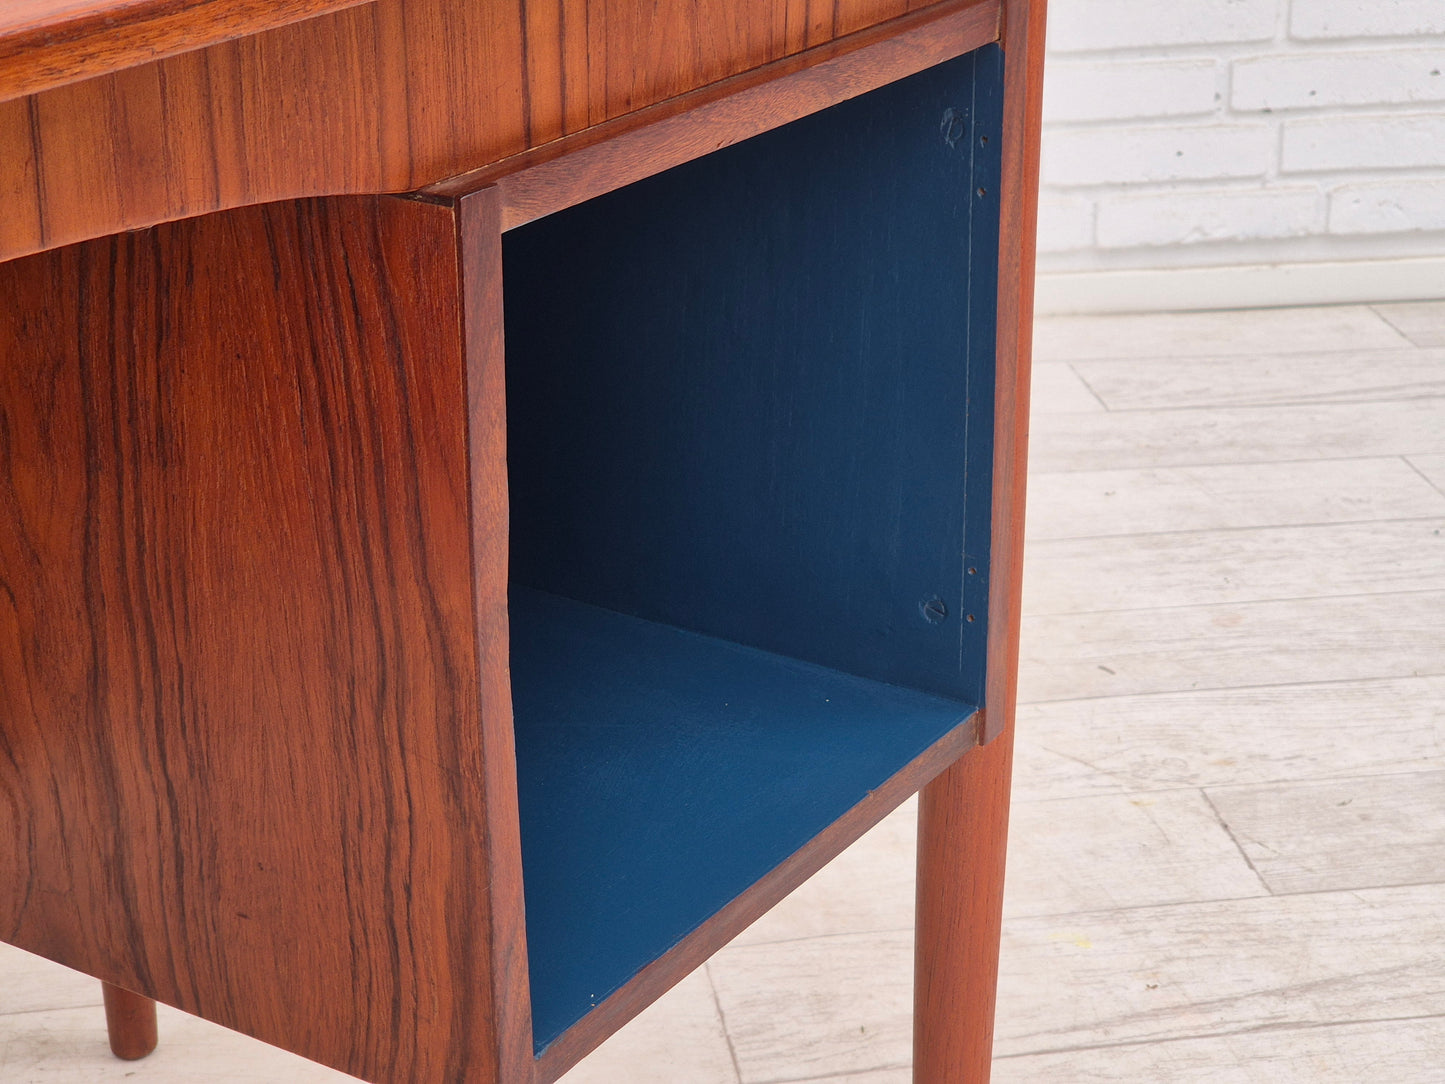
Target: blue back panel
[{"x": 752, "y": 396}]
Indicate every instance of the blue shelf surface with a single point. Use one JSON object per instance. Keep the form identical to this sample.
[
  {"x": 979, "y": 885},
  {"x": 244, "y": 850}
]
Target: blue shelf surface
[{"x": 662, "y": 772}]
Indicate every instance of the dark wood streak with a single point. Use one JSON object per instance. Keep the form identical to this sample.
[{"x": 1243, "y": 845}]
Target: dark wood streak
[
  {"x": 246, "y": 664},
  {"x": 45, "y": 44},
  {"x": 387, "y": 96},
  {"x": 607, "y": 156}
]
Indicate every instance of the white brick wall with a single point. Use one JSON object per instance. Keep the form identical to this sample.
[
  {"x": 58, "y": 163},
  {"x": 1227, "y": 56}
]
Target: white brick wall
[{"x": 1221, "y": 133}]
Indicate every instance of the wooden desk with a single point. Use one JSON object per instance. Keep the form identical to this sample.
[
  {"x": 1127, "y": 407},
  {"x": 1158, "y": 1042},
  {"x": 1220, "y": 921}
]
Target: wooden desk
[{"x": 733, "y": 522}]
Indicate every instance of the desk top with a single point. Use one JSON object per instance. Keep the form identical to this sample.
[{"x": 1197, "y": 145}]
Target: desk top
[
  {"x": 136, "y": 112},
  {"x": 48, "y": 43}
]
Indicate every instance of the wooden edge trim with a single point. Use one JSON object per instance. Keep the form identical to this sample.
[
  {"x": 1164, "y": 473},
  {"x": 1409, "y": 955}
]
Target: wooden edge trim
[
  {"x": 479, "y": 256},
  {"x": 677, "y": 963},
  {"x": 1023, "y": 44},
  {"x": 607, "y": 156},
  {"x": 100, "y": 38}
]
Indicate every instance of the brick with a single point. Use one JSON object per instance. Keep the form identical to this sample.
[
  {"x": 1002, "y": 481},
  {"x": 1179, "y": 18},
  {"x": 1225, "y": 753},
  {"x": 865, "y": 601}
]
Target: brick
[
  {"x": 1089, "y": 156},
  {"x": 1396, "y": 76},
  {"x": 1066, "y": 223},
  {"x": 1190, "y": 217},
  {"x": 1388, "y": 207},
  {"x": 1365, "y": 18},
  {"x": 1084, "y": 25},
  {"x": 1128, "y": 89},
  {"x": 1398, "y": 141}
]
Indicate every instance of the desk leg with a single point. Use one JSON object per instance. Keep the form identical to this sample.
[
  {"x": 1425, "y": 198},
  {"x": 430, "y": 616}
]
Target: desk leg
[
  {"x": 131, "y": 1021},
  {"x": 962, "y": 833}
]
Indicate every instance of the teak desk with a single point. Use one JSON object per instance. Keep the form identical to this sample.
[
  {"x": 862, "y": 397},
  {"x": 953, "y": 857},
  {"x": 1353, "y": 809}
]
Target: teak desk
[{"x": 432, "y": 624}]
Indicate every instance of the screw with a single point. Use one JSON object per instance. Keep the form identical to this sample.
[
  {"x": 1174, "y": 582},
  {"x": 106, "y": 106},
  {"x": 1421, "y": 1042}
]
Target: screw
[{"x": 933, "y": 610}]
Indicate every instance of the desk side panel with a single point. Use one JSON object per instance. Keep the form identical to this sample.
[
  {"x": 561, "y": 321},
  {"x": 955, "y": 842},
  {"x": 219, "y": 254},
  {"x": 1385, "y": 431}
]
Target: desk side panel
[{"x": 242, "y": 723}]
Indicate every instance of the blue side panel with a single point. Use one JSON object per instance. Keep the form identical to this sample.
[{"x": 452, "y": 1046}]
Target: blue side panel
[
  {"x": 752, "y": 396},
  {"x": 663, "y": 772}
]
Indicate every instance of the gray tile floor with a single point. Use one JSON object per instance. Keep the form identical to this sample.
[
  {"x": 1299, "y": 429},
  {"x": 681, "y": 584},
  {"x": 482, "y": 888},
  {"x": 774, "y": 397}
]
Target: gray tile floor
[{"x": 1228, "y": 847}]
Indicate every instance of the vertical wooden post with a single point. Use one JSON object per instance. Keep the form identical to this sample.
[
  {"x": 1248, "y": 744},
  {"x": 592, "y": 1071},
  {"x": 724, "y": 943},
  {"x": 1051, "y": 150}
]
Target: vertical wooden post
[
  {"x": 963, "y": 818},
  {"x": 962, "y": 833},
  {"x": 130, "y": 1020}
]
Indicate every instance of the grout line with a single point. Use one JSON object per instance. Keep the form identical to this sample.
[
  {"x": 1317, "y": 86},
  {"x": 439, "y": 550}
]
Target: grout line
[
  {"x": 1225, "y": 688},
  {"x": 1321, "y": 683},
  {"x": 1051, "y": 916},
  {"x": 1428, "y": 481},
  {"x": 1375, "y": 308},
  {"x": 1273, "y": 897},
  {"x": 1279, "y": 782},
  {"x": 1406, "y": 346},
  {"x": 1382, "y": 457},
  {"x": 880, "y": 931},
  {"x": 845, "y": 1075},
  {"x": 723, "y": 1022},
  {"x": 1097, "y": 397},
  {"x": 1259, "y": 1029},
  {"x": 53, "y": 1008},
  {"x": 1236, "y": 529},
  {"x": 1237, "y": 603},
  {"x": 1219, "y": 819},
  {"x": 1270, "y": 405},
  {"x": 1210, "y": 464}
]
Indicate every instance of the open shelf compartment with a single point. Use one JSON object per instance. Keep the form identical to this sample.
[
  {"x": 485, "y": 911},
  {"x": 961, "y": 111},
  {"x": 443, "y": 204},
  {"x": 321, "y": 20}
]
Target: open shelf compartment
[{"x": 749, "y": 440}]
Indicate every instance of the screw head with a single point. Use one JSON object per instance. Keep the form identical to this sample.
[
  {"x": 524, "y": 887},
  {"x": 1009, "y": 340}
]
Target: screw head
[{"x": 934, "y": 610}]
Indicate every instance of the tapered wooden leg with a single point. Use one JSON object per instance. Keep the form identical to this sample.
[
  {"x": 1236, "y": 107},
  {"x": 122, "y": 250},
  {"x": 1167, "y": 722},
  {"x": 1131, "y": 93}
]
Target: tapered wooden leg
[
  {"x": 131, "y": 1021},
  {"x": 962, "y": 834}
]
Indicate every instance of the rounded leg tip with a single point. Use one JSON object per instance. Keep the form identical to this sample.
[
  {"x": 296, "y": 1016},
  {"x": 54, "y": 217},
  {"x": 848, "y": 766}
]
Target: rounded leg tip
[{"x": 130, "y": 1020}]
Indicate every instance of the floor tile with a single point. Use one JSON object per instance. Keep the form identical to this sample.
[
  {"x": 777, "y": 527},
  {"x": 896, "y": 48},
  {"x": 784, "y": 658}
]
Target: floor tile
[
  {"x": 1126, "y": 850},
  {"x": 1056, "y": 389},
  {"x": 1221, "y": 736},
  {"x": 29, "y": 983},
  {"x": 1208, "y": 334},
  {"x": 1432, "y": 467},
  {"x": 1069, "y": 656},
  {"x": 819, "y": 1007},
  {"x": 1367, "y": 376},
  {"x": 833, "y": 900},
  {"x": 1369, "y": 831},
  {"x": 1187, "y": 438},
  {"x": 1398, "y": 1051},
  {"x": 69, "y": 1045},
  {"x": 1243, "y": 565},
  {"x": 678, "y": 1038},
  {"x": 1191, "y": 970},
  {"x": 1092, "y": 504},
  {"x": 1422, "y": 322}
]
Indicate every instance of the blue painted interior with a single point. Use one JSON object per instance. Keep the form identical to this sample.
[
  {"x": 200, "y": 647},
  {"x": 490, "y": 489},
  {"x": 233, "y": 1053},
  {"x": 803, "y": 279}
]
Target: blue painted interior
[
  {"x": 663, "y": 772},
  {"x": 750, "y": 397}
]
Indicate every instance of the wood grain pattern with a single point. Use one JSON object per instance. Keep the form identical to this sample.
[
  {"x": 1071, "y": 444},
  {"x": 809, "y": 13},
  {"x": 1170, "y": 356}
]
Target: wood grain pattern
[
  {"x": 130, "y": 1022},
  {"x": 48, "y": 43},
  {"x": 384, "y": 97},
  {"x": 1023, "y": 41},
  {"x": 246, "y": 740},
  {"x": 618, "y": 152},
  {"x": 963, "y": 815},
  {"x": 962, "y": 841}
]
